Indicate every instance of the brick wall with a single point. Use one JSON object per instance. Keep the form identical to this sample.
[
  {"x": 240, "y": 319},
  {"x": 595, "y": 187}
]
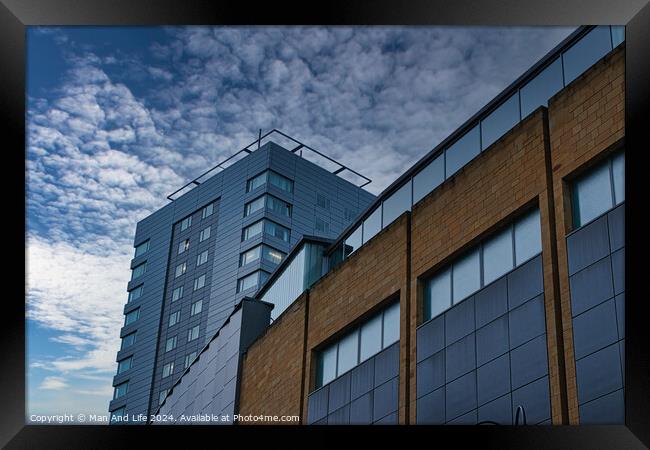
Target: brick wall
[{"x": 586, "y": 121}]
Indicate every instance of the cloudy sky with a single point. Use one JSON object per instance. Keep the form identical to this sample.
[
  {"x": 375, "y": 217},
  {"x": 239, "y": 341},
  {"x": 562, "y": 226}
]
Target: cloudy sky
[{"x": 120, "y": 117}]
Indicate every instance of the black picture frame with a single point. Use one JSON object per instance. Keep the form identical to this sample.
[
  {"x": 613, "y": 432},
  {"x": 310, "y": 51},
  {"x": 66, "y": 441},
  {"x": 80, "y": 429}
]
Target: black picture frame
[{"x": 15, "y": 15}]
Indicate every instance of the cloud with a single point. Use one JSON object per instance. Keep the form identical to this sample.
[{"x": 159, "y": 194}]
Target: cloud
[{"x": 53, "y": 383}]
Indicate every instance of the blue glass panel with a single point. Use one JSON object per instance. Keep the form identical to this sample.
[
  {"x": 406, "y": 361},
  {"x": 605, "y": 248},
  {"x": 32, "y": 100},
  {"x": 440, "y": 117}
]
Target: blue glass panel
[
  {"x": 538, "y": 90},
  {"x": 372, "y": 225},
  {"x": 592, "y": 195},
  {"x": 618, "y": 35},
  {"x": 466, "y": 275},
  {"x": 462, "y": 151},
  {"x": 500, "y": 121},
  {"x": 353, "y": 242},
  {"x": 618, "y": 171},
  {"x": 528, "y": 237},
  {"x": 497, "y": 256},
  {"x": 428, "y": 178},
  {"x": 397, "y": 203},
  {"x": 437, "y": 294},
  {"x": 584, "y": 53}
]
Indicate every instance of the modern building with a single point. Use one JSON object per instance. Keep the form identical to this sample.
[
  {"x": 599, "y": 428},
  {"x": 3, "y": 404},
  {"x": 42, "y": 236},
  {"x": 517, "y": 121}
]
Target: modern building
[
  {"x": 220, "y": 237},
  {"x": 485, "y": 285}
]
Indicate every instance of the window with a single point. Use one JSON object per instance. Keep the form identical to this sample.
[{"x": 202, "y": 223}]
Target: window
[
  {"x": 128, "y": 341},
  {"x": 321, "y": 226},
  {"x": 252, "y": 230},
  {"x": 429, "y": 178},
  {"x": 500, "y": 121},
  {"x": 124, "y": 365},
  {"x": 163, "y": 396},
  {"x": 196, "y": 307},
  {"x": 204, "y": 234},
  {"x": 174, "y": 318},
  {"x": 177, "y": 293},
  {"x": 138, "y": 270},
  {"x": 358, "y": 345},
  {"x": 249, "y": 256},
  {"x": 353, "y": 241},
  {"x": 256, "y": 182},
  {"x": 280, "y": 182},
  {"x": 462, "y": 151},
  {"x": 372, "y": 225},
  {"x": 199, "y": 282},
  {"x": 488, "y": 261},
  {"x": 350, "y": 214},
  {"x": 119, "y": 412},
  {"x": 264, "y": 251},
  {"x": 278, "y": 206},
  {"x": 538, "y": 90},
  {"x": 254, "y": 206},
  {"x": 121, "y": 390},
  {"x": 202, "y": 258},
  {"x": 170, "y": 344},
  {"x": 186, "y": 223},
  {"x": 272, "y": 255},
  {"x": 584, "y": 53},
  {"x": 135, "y": 294},
  {"x": 141, "y": 249},
  {"x": 193, "y": 333},
  {"x": 188, "y": 359},
  {"x": 618, "y": 35},
  {"x": 131, "y": 317},
  {"x": 183, "y": 246},
  {"x": 253, "y": 280},
  {"x": 207, "y": 211},
  {"x": 599, "y": 190},
  {"x": 181, "y": 269},
  {"x": 397, "y": 203},
  {"x": 322, "y": 201},
  {"x": 275, "y": 230},
  {"x": 168, "y": 369}
]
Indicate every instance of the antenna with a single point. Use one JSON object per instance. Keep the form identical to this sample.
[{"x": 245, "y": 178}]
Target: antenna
[{"x": 259, "y": 139}]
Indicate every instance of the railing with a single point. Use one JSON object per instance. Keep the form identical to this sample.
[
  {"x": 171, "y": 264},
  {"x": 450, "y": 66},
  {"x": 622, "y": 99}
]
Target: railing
[
  {"x": 549, "y": 75},
  {"x": 294, "y": 146}
]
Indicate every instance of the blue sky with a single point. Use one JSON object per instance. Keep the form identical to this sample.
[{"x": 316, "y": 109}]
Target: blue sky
[{"x": 120, "y": 117}]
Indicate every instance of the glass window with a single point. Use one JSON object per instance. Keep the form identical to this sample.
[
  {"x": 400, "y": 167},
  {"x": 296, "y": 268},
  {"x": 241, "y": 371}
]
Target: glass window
[
  {"x": 353, "y": 242},
  {"x": 429, "y": 178},
  {"x": 121, "y": 390},
  {"x": 327, "y": 365},
  {"x": 372, "y": 225},
  {"x": 322, "y": 201},
  {"x": 437, "y": 294},
  {"x": 177, "y": 293},
  {"x": 183, "y": 246},
  {"x": 397, "y": 203},
  {"x": 196, "y": 307},
  {"x": 252, "y": 230},
  {"x": 248, "y": 282},
  {"x": 391, "y": 325},
  {"x": 281, "y": 182},
  {"x": 138, "y": 270},
  {"x": 370, "y": 337},
  {"x": 188, "y": 359},
  {"x": 124, "y": 365},
  {"x": 498, "y": 256},
  {"x": 254, "y": 206},
  {"x": 584, "y": 53},
  {"x": 466, "y": 276},
  {"x": 276, "y": 230},
  {"x": 350, "y": 214},
  {"x": 618, "y": 35},
  {"x": 186, "y": 223},
  {"x": 180, "y": 269},
  {"x": 128, "y": 341},
  {"x": 199, "y": 282},
  {"x": 500, "y": 121},
  {"x": 592, "y": 195},
  {"x": 321, "y": 226},
  {"x": 174, "y": 318},
  {"x": 170, "y": 344},
  {"x": 207, "y": 211},
  {"x": 141, "y": 248},
  {"x": 168, "y": 369},
  {"x": 131, "y": 316},
  {"x": 202, "y": 258},
  {"x": 193, "y": 333},
  {"x": 278, "y": 206},
  {"x": 118, "y": 413},
  {"x": 618, "y": 174},
  {"x": 462, "y": 151},
  {"x": 348, "y": 352},
  {"x": 205, "y": 234},
  {"x": 136, "y": 293},
  {"x": 256, "y": 182},
  {"x": 538, "y": 90},
  {"x": 162, "y": 396},
  {"x": 272, "y": 255},
  {"x": 528, "y": 237},
  {"x": 249, "y": 256}
]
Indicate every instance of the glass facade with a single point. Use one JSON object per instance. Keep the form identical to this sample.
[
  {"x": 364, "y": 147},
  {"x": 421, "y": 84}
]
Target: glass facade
[
  {"x": 135, "y": 293},
  {"x": 584, "y": 53},
  {"x": 377, "y": 333},
  {"x": 462, "y": 151},
  {"x": 142, "y": 248},
  {"x": 253, "y": 280},
  {"x": 500, "y": 121},
  {"x": 599, "y": 190},
  {"x": 131, "y": 317},
  {"x": 275, "y": 179},
  {"x": 397, "y": 203},
  {"x": 128, "y": 340},
  {"x": 121, "y": 390},
  {"x": 124, "y": 365},
  {"x": 138, "y": 271},
  {"x": 544, "y": 86},
  {"x": 372, "y": 225},
  {"x": 487, "y": 262},
  {"x": 429, "y": 178}
]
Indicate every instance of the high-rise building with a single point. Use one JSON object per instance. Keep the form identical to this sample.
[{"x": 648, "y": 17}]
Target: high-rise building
[
  {"x": 485, "y": 285},
  {"x": 217, "y": 240}
]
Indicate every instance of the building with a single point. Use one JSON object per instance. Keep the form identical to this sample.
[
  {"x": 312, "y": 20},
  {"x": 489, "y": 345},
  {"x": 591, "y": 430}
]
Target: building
[
  {"x": 220, "y": 237},
  {"x": 485, "y": 285}
]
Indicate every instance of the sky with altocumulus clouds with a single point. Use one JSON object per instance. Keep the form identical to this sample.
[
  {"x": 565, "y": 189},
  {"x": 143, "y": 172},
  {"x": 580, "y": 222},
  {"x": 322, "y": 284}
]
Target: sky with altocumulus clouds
[{"x": 120, "y": 117}]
